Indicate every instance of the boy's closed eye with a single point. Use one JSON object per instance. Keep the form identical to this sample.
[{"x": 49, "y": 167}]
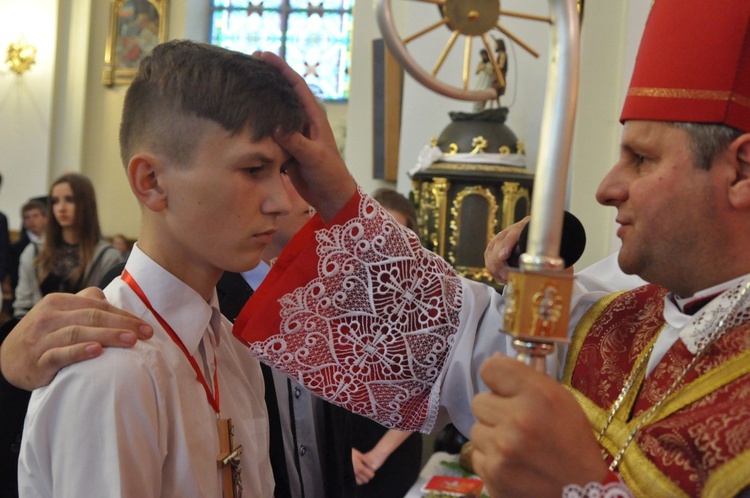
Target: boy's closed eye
[{"x": 254, "y": 170}]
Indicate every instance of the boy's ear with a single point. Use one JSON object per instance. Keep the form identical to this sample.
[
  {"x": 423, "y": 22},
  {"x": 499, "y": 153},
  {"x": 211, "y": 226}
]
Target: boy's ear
[{"x": 144, "y": 175}]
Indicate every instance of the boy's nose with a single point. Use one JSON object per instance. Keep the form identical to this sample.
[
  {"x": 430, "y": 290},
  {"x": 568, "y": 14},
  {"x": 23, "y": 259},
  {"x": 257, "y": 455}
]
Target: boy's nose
[{"x": 278, "y": 201}]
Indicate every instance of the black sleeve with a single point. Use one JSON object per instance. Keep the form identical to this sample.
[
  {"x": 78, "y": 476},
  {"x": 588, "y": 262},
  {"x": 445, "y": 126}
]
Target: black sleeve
[
  {"x": 4, "y": 246},
  {"x": 13, "y": 403},
  {"x": 112, "y": 274}
]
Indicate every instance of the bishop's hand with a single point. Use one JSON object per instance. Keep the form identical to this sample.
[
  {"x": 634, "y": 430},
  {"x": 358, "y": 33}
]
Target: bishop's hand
[
  {"x": 531, "y": 438},
  {"x": 318, "y": 171}
]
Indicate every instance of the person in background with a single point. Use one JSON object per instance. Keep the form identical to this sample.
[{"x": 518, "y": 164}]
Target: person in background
[
  {"x": 34, "y": 221},
  {"x": 398, "y": 206},
  {"x": 122, "y": 244},
  {"x": 386, "y": 461},
  {"x": 4, "y": 246},
  {"x": 67, "y": 257},
  {"x": 74, "y": 255}
]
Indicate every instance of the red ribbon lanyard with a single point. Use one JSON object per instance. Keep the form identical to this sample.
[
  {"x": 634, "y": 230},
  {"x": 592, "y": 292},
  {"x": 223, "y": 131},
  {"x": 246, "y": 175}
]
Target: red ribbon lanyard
[{"x": 213, "y": 401}]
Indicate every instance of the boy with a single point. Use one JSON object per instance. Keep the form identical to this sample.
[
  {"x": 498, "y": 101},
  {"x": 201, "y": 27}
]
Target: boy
[
  {"x": 34, "y": 216},
  {"x": 196, "y": 142}
]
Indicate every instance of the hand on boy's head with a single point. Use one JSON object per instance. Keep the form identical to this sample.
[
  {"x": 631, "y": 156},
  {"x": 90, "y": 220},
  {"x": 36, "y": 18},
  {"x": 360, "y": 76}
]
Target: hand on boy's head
[
  {"x": 62, "y": 329},
  {"x": 317, "y": 170}
]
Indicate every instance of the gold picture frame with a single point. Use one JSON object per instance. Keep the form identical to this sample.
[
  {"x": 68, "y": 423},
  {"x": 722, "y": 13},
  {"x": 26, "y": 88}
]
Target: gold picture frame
[{"x": 135, "y": 28}]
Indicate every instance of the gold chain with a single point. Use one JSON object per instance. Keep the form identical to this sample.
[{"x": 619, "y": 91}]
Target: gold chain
[
  {"x": 720, "y": 328},
  {"x": 625, "y": 389}
]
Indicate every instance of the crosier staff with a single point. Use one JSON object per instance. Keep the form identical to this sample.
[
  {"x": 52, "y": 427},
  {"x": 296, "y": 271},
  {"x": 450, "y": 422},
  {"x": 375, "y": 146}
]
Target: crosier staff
[{"x": 538, "y": 292}]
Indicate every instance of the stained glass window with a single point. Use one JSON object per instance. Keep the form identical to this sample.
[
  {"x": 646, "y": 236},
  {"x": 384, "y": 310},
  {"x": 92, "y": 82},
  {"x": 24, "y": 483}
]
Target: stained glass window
[{"x": 313, "y": 36}]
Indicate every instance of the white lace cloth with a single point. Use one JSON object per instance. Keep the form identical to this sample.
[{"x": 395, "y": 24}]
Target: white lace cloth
[
  {"x": 373, "y": 332},
  {"x": 597, "y": 490},
  {"x": 430, "y": 154},
  {"x": 722, "y": 313}
]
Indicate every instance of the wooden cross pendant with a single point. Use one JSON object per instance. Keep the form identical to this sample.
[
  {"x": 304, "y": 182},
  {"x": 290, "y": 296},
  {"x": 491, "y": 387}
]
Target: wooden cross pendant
[{"x": 229, "y": 460}]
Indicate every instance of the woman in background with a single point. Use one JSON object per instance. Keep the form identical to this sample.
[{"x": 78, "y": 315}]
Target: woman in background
[
  {"x": 73, "y": 255},
  {"x": 122, "y": 244}
]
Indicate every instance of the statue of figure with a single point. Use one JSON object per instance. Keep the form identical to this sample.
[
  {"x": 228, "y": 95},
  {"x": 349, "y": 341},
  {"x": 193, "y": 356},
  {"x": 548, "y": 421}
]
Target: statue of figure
[
  {"x": 486, "y": 77},
  {"x": 502, "y": 62}
]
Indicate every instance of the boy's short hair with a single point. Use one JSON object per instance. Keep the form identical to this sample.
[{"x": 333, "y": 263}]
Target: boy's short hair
[
  {"x": 34, "y": 204},
  {"x": 180, "y": 80}
]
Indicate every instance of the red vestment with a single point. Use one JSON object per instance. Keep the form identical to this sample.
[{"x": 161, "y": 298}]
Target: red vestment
[{"x": 698, "y": 442}]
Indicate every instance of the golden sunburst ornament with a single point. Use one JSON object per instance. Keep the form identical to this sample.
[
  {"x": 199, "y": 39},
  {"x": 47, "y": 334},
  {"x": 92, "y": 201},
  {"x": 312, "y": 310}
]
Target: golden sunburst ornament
[{"x": 21, "y": 56}]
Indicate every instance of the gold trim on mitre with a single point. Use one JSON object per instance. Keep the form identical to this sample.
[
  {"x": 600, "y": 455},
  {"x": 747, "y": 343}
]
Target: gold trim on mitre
[{"x": 685, "y": 93}]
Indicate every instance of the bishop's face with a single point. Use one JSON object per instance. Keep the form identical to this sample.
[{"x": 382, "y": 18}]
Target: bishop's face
[{"x": 667, "y": 208}]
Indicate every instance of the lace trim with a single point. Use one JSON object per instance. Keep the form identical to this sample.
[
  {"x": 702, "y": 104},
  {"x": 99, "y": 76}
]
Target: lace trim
[
  {"x": 704, "y": 328},
  {"x": 373, "y": 331},
  {"x": 597, "y": 490}
]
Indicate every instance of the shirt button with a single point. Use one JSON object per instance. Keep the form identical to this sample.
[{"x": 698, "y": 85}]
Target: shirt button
[
  {"x": 297, "y": 392},
  {"x": 302, "y": 450}
]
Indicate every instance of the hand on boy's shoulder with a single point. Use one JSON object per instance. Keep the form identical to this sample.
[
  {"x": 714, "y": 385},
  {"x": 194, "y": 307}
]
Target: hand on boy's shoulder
[{"x": 62, "y": 329}]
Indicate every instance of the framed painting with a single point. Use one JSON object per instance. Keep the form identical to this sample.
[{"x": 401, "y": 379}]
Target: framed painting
[{"x": 135, "y": 28}]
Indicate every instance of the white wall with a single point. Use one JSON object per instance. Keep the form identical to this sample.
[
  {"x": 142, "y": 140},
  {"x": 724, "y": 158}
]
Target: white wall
[
  {"x": 610, "y": 35},
  {"x": 26, "y": 104},
  {"x": 359, "y": 130}
]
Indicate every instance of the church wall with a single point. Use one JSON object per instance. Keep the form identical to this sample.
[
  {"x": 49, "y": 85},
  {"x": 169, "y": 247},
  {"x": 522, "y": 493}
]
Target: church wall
[
  {"x": 119, "y": 212},
  {"x": 26, "y": 104},
  {"x": 609, "y": 41}
]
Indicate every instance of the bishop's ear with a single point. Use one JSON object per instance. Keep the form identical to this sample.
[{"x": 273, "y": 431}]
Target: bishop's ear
[
  {"x": 741, "y": 188},
  {"x": 144, "y": 176}
]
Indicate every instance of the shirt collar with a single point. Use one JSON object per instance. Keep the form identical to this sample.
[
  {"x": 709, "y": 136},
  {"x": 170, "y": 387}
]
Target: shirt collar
[
  {"x": 693, "y": 328},
  {"x": 182, "y": 307}
]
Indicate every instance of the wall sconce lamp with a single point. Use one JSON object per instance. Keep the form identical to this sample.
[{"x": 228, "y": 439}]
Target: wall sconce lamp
[{"x": 21, "y": 56}]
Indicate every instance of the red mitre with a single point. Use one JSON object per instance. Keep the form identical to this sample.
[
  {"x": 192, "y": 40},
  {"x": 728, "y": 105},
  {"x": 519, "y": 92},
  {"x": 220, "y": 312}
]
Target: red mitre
[{"x": 693, "y": 64}]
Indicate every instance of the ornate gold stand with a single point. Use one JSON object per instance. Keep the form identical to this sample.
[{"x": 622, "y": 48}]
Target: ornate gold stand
[{"x": 462, "y": 206}]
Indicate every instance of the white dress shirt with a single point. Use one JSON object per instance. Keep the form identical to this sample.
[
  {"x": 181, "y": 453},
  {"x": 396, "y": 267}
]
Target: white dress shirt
[{"x": 136, "y": 422}]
